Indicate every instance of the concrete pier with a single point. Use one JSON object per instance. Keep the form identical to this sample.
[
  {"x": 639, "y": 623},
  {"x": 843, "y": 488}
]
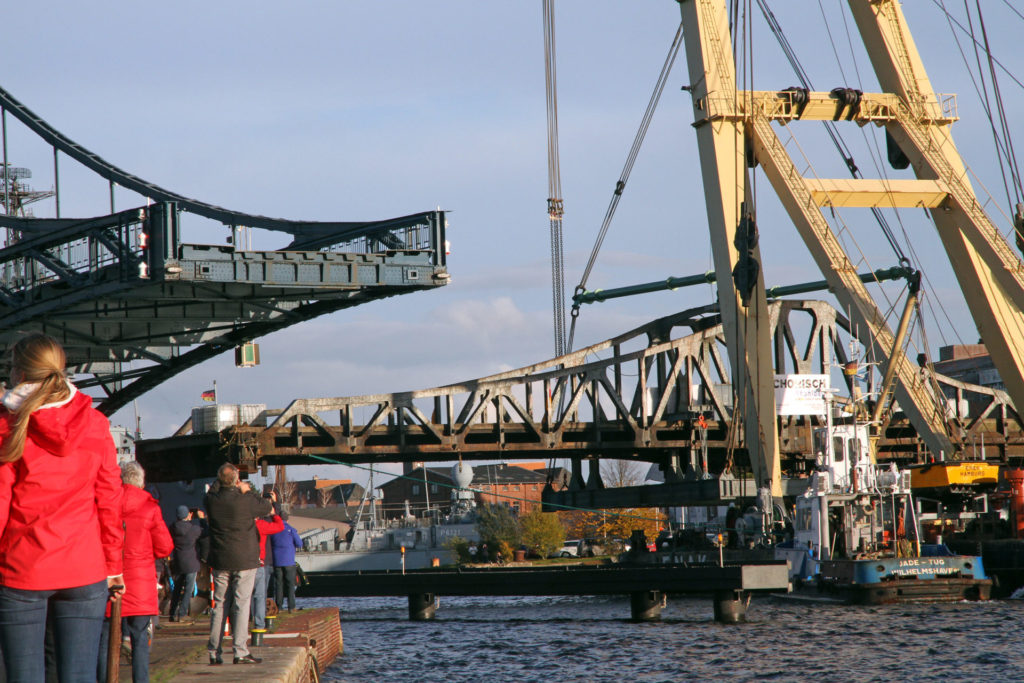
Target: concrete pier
[
  {"x": 422, "y": 606},
  {"x": 303, "y": 642},
  {"x": 730, "y": 607},
  {"x": 646, "y": 605}
]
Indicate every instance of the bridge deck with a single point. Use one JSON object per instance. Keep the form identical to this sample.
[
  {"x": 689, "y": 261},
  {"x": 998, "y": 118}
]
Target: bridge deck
[{"x": 615, "y": 579}]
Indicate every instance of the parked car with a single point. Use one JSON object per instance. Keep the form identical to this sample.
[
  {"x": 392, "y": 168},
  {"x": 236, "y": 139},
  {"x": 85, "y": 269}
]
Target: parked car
[{"x": 569, "y": 549}]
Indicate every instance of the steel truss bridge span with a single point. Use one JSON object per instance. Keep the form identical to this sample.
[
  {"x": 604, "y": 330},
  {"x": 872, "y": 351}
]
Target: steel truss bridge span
[
  {"x": 133, "y": 305},
  {"x": 635, "y": 397}
]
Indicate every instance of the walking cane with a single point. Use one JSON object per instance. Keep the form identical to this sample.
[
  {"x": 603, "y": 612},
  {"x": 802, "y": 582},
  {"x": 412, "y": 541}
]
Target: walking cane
[{"x": 114, "y": 645}]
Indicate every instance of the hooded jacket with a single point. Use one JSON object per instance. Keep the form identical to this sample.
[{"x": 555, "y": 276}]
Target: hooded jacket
[
  {"x": 285, "y": 544},
  {"x": 234, "y": 541},
  {"x": 145, "y": 539},
  {"x": 60, "y": 503},
  {"x": 266, "y": 529},
  {"x": 185, "y": 535}
]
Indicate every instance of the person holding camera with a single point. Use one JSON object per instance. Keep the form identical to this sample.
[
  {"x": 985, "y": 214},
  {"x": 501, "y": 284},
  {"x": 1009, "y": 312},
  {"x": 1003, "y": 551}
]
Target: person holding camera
[
  {"x": 266, "y": 527},
  {"x": 185, "y": 533},
  {"x": 231, "y": 510}
]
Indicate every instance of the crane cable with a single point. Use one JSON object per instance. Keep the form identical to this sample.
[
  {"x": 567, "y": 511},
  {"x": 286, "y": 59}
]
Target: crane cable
[
  {"x": 830, "y": 128},
  {"x": 1000, "y": 132},
  {"x": 555, "y": 204},
  {"x": 620, "y": 184}
]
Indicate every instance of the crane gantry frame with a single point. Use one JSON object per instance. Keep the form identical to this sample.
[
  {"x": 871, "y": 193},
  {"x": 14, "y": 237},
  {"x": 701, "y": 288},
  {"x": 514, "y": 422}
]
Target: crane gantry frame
[{"x": 729, "y": 122}]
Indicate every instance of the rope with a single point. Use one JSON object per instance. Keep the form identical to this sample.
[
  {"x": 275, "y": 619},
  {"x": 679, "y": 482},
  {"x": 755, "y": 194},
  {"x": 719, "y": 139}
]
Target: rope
[
  {"x": 951, "y": 19},
  {"x": 830, "y": 127},
  {"x": 627, "y": 168},
  {"x": 555, "y": 204},
  {"x": 1011, "y": 155}
]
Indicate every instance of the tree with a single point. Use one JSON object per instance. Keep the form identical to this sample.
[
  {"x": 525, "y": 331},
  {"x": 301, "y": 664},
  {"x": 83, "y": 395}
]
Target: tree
[
  {"x": 496, "y": 524},
  {"x": 581, "y": 523},
  {"x": 621, "y": 523},
  {"x": 541, "y": 532},
  {"x": 619, "y": 473},
  {"x": 325, "y": 496}
]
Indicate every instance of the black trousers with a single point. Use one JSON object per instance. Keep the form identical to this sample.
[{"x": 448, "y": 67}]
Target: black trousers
[{"x": 284, "y": 580}]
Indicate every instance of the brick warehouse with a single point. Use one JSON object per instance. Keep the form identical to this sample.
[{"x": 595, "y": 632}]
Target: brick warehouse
[{"x": 518, "y": 486}]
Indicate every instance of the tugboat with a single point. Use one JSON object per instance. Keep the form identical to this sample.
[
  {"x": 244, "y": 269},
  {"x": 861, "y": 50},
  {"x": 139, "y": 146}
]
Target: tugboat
[
  {"x": 976, "y": 507},
  {"x": 856, "y": 539}
]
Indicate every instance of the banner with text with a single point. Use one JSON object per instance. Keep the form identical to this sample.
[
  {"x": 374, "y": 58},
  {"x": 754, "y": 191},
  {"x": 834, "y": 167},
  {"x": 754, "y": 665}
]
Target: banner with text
[{"x": 801, "y": 394}]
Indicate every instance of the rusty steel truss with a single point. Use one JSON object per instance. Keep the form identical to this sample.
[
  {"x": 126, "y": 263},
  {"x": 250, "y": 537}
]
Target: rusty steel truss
[{"x": 638, "y": 396}]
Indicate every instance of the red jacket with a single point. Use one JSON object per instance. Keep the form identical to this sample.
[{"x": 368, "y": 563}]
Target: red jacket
[
  {"x": 60, "y": 504},
  {"x": 268, "y": 529},
  {"x": 145, "y": 539}
]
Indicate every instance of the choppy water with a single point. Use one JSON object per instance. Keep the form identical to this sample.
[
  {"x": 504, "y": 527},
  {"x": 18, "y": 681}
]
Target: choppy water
[{"x": 591, "y": 639}]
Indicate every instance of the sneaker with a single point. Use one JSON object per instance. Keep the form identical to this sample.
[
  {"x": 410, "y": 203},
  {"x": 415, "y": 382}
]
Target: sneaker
[
  {"x": 248, "y": 659},
  {"x": 215, "y": 659}
]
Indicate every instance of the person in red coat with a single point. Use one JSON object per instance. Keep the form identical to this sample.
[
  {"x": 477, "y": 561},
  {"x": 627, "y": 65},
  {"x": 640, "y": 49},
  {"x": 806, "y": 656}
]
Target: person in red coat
[
  {"x": 60, "y": 516},
  {"x": 267, "y": 527},
  {"x": 145, "y": 539}
]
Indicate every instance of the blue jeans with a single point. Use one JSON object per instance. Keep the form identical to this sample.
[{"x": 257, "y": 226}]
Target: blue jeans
[
  {"x": 77, "y": 622},
  {"x": 137, "y": 630},
  {"x": 259, "y": 598},
  {"x": 184, "y": 586}
]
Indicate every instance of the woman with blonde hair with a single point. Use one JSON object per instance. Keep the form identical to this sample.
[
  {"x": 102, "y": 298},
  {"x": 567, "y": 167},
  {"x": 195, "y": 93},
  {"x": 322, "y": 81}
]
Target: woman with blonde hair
[{"x": 60, "y": 517}]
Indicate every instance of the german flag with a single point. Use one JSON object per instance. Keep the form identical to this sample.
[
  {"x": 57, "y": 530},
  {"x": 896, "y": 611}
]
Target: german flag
[{"x": 210, "y": 395}]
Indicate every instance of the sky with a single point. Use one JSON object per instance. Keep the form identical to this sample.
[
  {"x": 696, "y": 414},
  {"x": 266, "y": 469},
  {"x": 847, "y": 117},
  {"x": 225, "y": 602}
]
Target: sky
[{"x": 363, "y": 110}]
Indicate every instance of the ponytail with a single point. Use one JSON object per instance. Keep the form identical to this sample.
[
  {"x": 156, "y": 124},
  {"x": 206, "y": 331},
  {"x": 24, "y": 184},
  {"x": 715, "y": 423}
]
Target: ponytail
[{"x": 37, "y": 359}]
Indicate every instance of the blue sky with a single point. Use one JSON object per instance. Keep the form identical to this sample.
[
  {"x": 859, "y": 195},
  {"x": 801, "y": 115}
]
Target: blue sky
[{"x": 357, "y": 111}]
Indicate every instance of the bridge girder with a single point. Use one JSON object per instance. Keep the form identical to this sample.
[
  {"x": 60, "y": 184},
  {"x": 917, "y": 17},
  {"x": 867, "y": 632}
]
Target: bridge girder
[
  {"x": 639, "y": 402},
  {"x": 133, "y": 305}
]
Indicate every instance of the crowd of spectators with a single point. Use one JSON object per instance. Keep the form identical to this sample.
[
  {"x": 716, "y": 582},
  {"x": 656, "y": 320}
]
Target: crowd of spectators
[{"x": 83, "y": 540}]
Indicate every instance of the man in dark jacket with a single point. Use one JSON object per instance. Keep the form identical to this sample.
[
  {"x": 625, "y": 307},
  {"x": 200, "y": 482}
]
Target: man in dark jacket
[
  {"x": 184, "y": 561},
  {"x": 232, "y": 509}
]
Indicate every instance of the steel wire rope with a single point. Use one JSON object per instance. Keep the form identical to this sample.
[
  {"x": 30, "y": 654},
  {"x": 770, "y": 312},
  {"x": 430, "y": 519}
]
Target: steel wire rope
[
  {"x": 1012, "y": 9},
  {"x": 875, "y": 154},
  {"x": 748, "y": 104},
  {"x": 844, "y": 233},
  {"x": 627, "y": 168},
  {"x": 870, "y": 142},
  {"x": 331, "y": 461},
  {"x": 929, "y": 373},
  {"x": 830, "y": 127},
  {"x": 1007, "y": 140},
  {"x": 555, "y": 203},
  {"x": 951, "y": 18},
  {"x": 981, "y": 91}
]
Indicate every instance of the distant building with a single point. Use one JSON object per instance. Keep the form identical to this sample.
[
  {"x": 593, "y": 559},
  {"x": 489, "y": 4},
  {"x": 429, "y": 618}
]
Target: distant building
[
  {"x": 320, "y": 493},
  {"x": 518, "y": 487},
  {"x": 124, "y": 443},
  {"x": 969, "y": 363}
]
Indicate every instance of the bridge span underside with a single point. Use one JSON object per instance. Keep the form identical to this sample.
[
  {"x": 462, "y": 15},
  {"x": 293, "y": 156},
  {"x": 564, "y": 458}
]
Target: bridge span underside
[
  {"x": 133, "y": 305},
  {"x": 636, "y": 397}
]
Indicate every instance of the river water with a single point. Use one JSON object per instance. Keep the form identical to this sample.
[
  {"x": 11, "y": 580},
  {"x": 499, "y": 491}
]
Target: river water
[{"x": 550, "y": 640}]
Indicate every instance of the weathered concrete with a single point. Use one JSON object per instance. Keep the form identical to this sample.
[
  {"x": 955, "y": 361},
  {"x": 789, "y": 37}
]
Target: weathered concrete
[{"x": 178, "y": 651}]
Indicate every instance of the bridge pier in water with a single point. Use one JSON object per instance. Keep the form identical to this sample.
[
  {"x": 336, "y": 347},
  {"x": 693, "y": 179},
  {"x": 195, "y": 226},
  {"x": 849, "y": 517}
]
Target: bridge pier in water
[
  {"x": 422, "y": 606},
  {"x": 730, "y": 607},
  {"x": 646, "y": 605}
]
